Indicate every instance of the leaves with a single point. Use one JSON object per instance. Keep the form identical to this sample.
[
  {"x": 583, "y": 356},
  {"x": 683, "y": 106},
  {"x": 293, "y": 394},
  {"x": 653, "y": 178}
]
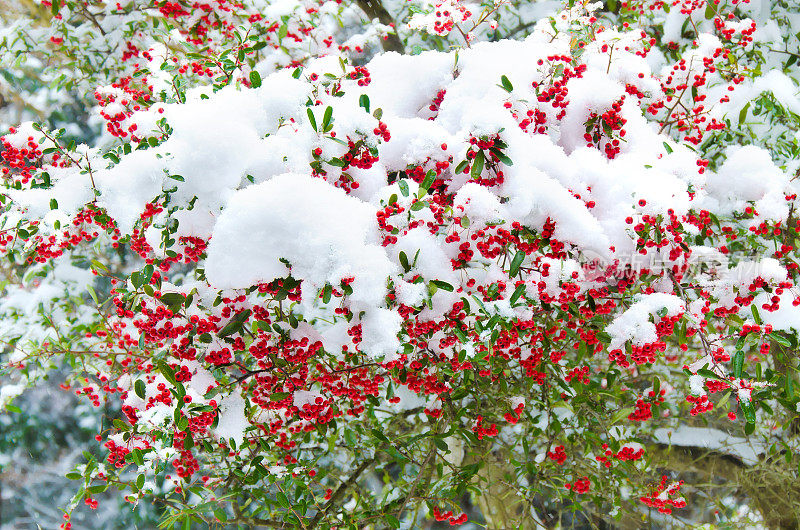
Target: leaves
[
  {"x": 363, "y": 102},
  {"x": 738, "y": 364},
  {"x": 311, "y": 118},
  {"x": 477, "y": 165},
  {"x": 327, "y": 119},
  {"x": 516, "y": 261},
  {"x": 505, "y": 84},
  {"x": 139, "y": 388},
  {"x": 235, "y": 324}
]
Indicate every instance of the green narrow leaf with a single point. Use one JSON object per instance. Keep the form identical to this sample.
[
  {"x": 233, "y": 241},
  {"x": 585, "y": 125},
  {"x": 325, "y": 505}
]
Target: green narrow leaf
[
  {"x": 515, "y": 263},
  {"x": 624, "y": 413},
  {"x": 326, "y": 119},
  {"x": 311, "y": 118},
  {"x": 781, "y": 339},
  {"x": 444, "y": 286},
  {"x": 326, "y": 293},
  {"x": 738, "y": 364},
  {"x": 92, "y": 293},
  {"x": 477, "y": 165},
  {"x": 748, "y": 411},
  {"x": 363, "y": 102},
  {"x": 743, "y": 113},
  {"x": 139, "y": 388},
  {"x": 517, "y": 293},
  {"x": 506, "y": 84},
  {"x": 404, "y": 261},
  {"x": 235, "y": 324},
  {"x": 403, "y": 185},
  {"x": 167, "y": 372}
]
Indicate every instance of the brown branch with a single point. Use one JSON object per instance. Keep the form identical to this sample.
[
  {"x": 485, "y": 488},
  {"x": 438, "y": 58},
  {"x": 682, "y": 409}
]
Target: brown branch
[{"x": 374, "y": 9}]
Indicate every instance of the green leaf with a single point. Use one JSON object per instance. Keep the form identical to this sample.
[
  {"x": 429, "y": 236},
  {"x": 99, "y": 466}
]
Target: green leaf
[
  {"x": 708, "y": 374},
  {"x": 743, "y": 113},
  {"x": 326, "y": 119},
  {"x": 363, "y": 102},
  {"x": 517, "y": 293},
  {"x": 781, "y": 339},
  {"x": 279, "y": 396},
  {"x": 167, "y": 372},
  {"x": 311, "y": 118},
  {"x": 326, "y": 293},
  {"x": 404, "y": 261},
  {"x": 738, "y": 364},
  {"x": 173, "y": 300},
  {"x": 624, "y": 413},
  {"x": 53, "y": 204},
  {"x": 756, "y": 316},
  {"x": 380, "y": 436},
  {"x": 235, "y": 324},
  {"x": 177, "y": 177},
  {"x": 748, "y": 411},
  {"x": 506, "y": 84},
  {"x": 92, "y": 293},
  {"x": 121, "y": 425},
  {"x": 477, "y": 165},
  {"x": 749, "y": 428},
  {"x": 667, "y": 148},
  {"x": 710, "y": 11},
  {"x": 139, "y": 388},
  {"x": 444, "y": 286},
  {"x": 282, "y": 500},
  {"x": 403, "y": 185},
  {"x": 516, "y": 262},
  {"x": 502, "y": 156},
  {"x": 426, "y": 184}
]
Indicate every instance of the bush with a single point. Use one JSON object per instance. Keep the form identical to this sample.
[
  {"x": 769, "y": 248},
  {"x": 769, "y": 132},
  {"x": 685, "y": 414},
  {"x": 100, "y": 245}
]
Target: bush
[{"x": 502, "y": 276}]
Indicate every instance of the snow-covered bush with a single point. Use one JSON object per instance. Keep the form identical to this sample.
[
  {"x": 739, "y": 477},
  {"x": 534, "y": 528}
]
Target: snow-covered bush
[{"x": 326, "y": 284}]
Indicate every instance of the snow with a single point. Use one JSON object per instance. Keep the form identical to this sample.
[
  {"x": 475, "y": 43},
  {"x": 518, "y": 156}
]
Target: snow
[
  {"x": 324, "y": 234},
  {"x": 749, "y": 175},
  {"x": 634, "y": 323},
  {"x": 232, "y": 420},
  {"x": 714, "y": 439}
]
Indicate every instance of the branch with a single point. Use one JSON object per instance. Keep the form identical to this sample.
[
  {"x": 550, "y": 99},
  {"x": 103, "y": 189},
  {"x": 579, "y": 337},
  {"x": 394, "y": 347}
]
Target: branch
[{"x": 374, "y": 9}]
